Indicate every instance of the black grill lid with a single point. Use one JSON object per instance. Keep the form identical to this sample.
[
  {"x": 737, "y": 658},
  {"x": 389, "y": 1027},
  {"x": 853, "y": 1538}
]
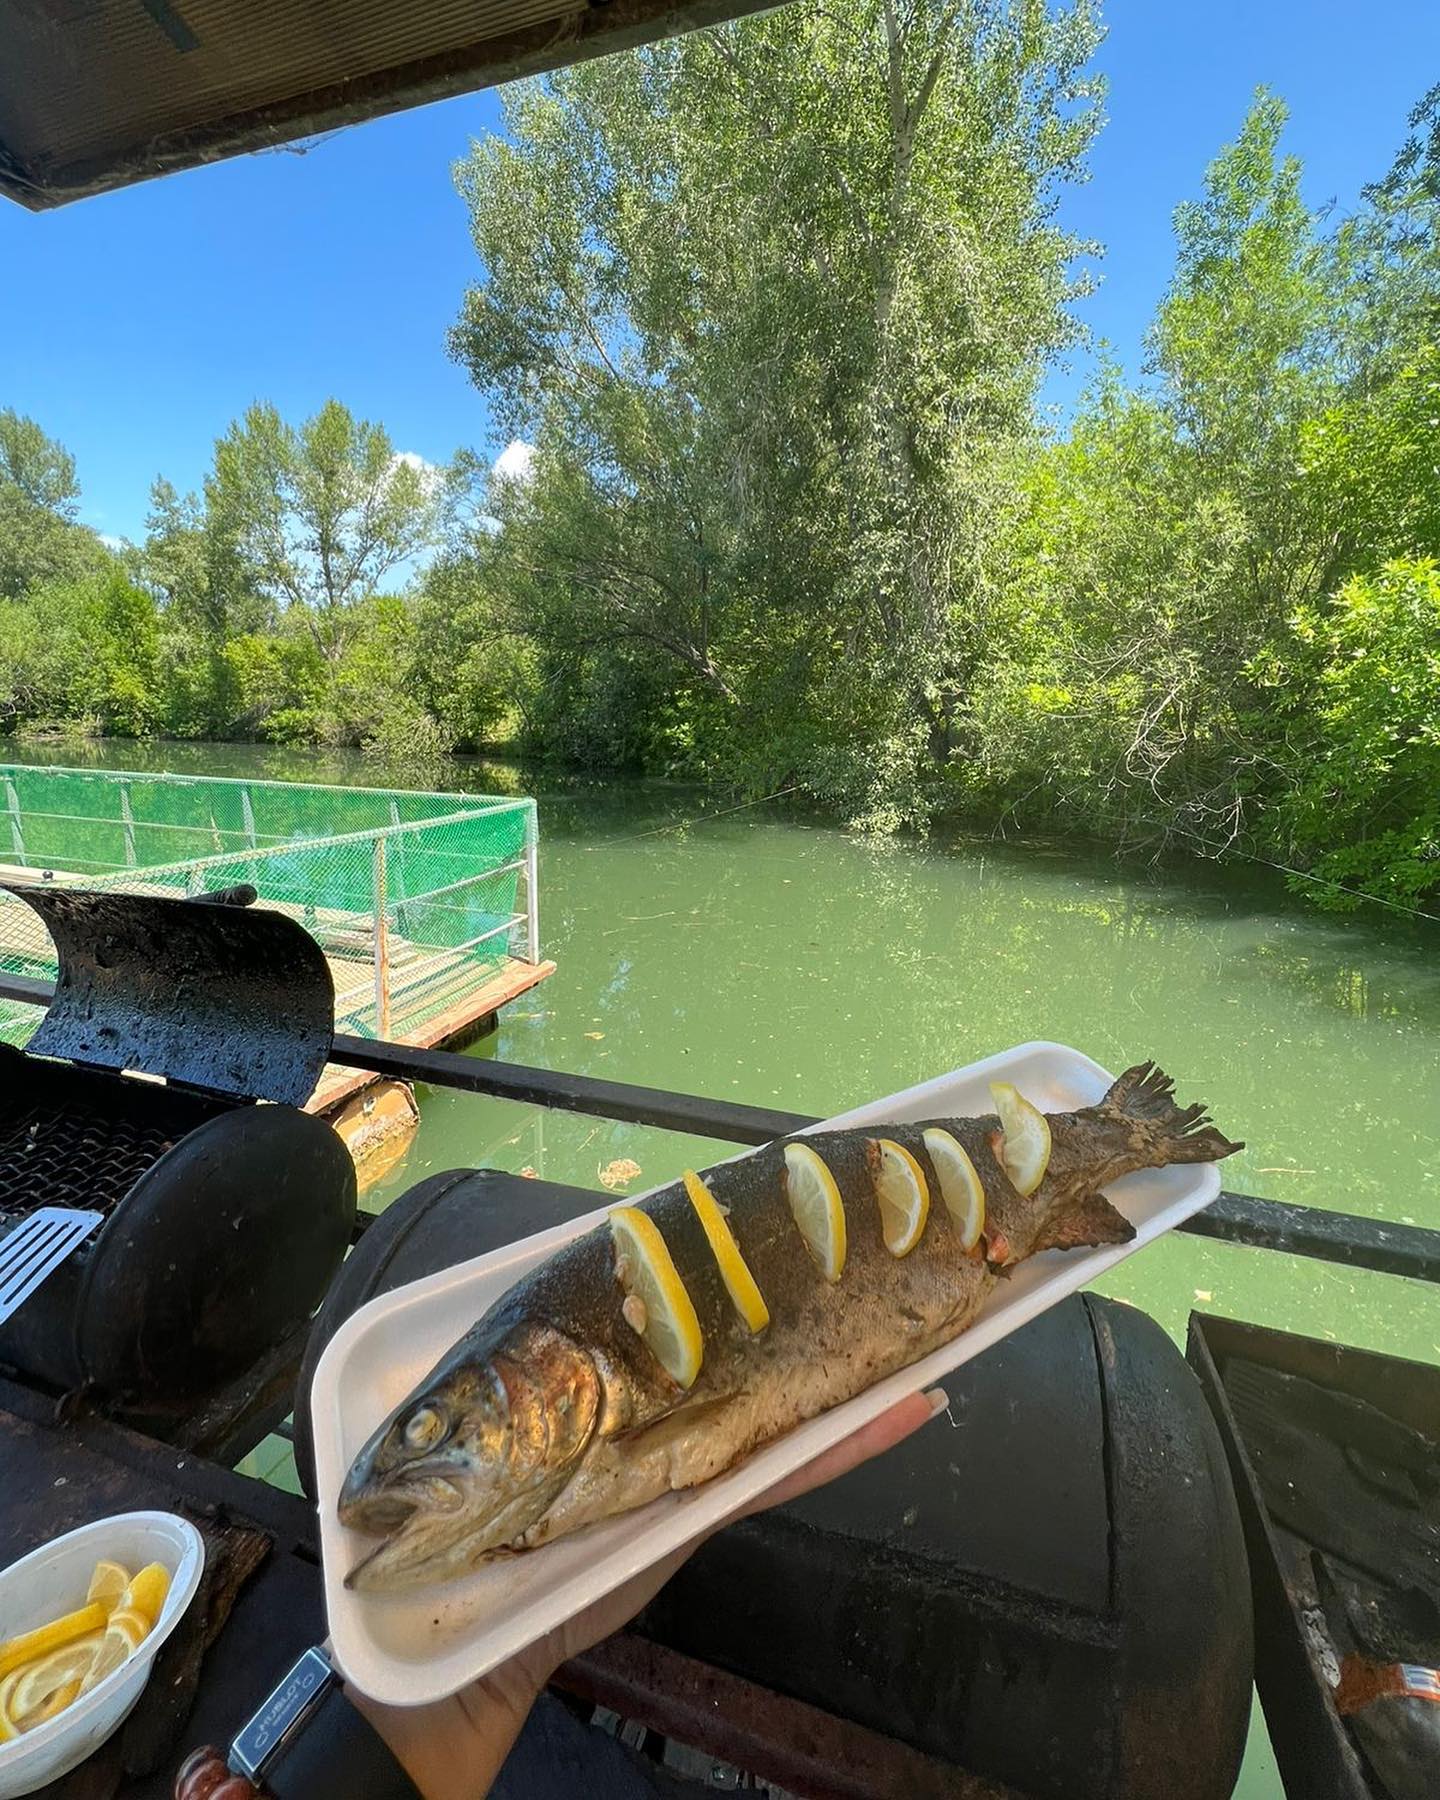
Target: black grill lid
[{"x": 214, "y": 998}]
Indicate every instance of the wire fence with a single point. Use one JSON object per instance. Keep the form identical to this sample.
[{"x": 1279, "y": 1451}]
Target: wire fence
[{"x": 415, "y": 898}]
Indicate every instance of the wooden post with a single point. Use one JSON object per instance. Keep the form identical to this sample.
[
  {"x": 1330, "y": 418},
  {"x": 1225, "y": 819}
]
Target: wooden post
[
  {"x": 382, "y": 943},
  {"x": 248, "y": 812}
]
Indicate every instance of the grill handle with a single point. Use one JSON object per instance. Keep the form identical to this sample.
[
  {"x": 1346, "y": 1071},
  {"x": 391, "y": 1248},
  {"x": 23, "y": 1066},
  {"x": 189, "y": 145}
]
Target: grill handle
[{"x": 242, "y": 894}]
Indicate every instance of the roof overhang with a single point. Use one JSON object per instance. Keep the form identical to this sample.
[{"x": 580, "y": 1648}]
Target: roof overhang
[{"x": 96, "y": 94}]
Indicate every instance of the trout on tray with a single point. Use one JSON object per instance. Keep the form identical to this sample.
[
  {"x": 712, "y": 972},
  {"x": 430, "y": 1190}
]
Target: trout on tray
[{"x": 658, "y": 1349}]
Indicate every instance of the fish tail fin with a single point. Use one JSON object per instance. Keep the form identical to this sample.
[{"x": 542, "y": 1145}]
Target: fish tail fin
[{"x": 1143, "y": 1097}]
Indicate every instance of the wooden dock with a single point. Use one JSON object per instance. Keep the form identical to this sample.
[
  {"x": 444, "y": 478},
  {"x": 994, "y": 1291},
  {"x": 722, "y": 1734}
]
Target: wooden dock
[{"x": 468, "y": 1013}]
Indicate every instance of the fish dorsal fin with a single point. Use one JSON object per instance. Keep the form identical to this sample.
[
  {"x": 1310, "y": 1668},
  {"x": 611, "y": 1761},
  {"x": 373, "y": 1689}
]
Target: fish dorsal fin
[{"x": 1089, "y": 1220}]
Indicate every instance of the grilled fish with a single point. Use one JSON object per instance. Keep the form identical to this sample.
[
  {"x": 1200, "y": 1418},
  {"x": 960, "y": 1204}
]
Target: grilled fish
[{"x": 554, "y": 1410}]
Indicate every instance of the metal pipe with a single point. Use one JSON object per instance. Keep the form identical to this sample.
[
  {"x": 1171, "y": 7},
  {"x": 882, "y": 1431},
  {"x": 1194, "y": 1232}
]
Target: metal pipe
[
  {"x": 17, "y": 834},
  {"x": 532, "y": 886},
  {"x": 1347, "y": 1239},
  {"x": 128, "y": 819},
  {"x": 380, "y": 927}
]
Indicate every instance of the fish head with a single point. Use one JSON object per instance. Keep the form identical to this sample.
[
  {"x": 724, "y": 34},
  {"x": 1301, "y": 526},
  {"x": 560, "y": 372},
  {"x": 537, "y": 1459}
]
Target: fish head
[{"x": 473, "y": 1458}]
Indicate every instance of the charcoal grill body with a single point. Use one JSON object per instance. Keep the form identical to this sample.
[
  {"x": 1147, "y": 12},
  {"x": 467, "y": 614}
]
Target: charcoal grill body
[{"x": 224, "y": 1219}]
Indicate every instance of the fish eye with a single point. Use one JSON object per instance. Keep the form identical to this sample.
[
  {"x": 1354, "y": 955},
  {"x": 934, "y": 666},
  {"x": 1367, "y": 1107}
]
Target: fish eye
[{"x": 424, "y": 1428}]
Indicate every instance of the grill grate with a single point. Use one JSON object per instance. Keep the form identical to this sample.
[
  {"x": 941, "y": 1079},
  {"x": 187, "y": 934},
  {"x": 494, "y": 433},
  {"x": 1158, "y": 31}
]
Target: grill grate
[{"x": 75, "y": 1156}]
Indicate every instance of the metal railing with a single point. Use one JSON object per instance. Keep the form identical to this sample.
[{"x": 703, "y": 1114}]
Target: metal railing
[{"x": 410, "y": 911}]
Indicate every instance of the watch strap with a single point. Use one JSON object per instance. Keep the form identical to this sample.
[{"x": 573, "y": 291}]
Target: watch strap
[{"x": 337, "y": 1755}]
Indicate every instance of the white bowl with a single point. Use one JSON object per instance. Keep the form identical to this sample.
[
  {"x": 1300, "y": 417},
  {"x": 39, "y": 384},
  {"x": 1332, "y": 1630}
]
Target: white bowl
[{"x": 50, "y": 1582}]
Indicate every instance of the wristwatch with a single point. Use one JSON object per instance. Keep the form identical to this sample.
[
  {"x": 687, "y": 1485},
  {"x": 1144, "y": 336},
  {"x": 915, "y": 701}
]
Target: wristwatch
[{"x": 305, "y": 1742}]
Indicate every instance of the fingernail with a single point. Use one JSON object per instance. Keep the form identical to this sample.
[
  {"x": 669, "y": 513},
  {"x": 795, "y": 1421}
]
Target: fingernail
[{"x": 939, "y": 1400}]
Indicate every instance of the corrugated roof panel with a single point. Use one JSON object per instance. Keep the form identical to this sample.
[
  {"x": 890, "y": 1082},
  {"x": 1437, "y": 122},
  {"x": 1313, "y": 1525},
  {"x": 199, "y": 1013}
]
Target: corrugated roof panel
[{"x": 96, "y": 93}]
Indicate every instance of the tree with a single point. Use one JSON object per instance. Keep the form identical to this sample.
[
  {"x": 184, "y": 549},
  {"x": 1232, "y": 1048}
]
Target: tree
[
  {"x": 40, "y": 540},
  {"x": 1252, "y": 340},
  {"x": 773, "y": 300},
  {"x": 38, "y": 468},
  {"x": 197, "y": 569},
  {"x": 320, "y": 514},
  {"x": 83, "y": 651}
]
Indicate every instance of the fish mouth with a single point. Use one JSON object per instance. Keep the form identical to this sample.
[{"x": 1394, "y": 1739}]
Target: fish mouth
[{"x": 379, "y": 1509}]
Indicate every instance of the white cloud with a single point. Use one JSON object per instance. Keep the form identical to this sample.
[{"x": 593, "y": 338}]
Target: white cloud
[
  {"x": 514, "y": 462},
  {"x": 110, "y": 541}
]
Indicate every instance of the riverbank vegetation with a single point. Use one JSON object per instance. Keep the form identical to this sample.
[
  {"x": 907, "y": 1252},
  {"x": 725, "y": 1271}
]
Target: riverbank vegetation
[{"x": 774, "y": 303}]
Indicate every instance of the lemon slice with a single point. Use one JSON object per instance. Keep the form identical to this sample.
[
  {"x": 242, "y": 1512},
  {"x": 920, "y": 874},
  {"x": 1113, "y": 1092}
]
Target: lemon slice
[
  {"x": 665, "y": 1317},
  {"x": 107, "y": 1584},
  {"x": 40, "y": 1679},
  {"x": 960, "y": 1186},
  {"x": 904, "y": 1196},
  {"x": 819, "y": 1212},
  {"x": 1026, "y": 1154},
  {"x": 31, "y": 1645},
  {"x": 125, "y": 1631},
  {"x": 749, "y": 1302},
  {"x": 56, "y": 1704},
  {"x": 146, "y": 1593}
]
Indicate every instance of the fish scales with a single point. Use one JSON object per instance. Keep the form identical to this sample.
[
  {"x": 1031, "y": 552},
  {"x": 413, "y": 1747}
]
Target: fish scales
[{"x": 553, "y": 1411}]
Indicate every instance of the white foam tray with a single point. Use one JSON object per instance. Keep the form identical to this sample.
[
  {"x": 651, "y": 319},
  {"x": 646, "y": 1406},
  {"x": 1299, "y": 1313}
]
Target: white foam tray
[{"x": 410, "y": 1648}]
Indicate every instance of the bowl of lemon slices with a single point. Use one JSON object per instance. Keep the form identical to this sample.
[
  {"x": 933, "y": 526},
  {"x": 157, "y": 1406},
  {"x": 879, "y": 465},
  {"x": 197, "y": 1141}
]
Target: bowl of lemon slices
[{"x": 81, "y": 1619}]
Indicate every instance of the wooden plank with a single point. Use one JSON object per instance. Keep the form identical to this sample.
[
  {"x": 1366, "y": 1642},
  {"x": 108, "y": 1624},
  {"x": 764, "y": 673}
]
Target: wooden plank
[{"x": 338, "y": 1084}]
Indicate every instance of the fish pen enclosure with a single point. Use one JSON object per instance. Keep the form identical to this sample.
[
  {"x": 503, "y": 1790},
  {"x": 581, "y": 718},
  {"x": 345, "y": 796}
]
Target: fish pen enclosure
[{"x": 424, "y": 904}]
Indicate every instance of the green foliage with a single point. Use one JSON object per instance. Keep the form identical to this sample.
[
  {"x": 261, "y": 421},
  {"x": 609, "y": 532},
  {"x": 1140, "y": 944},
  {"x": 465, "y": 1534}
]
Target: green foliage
[
  {"x": 39, "y": 495},
  {"x": 410, "y": 748},
  {"x": 1366, "y": 807},
  {"x": 316, "y": 516},
  {"x": 279, "y": 684},
  {"x": 772, "y": 303},
  {"x": 774, "y": 299},
  {"x": 86, "y": 649}
]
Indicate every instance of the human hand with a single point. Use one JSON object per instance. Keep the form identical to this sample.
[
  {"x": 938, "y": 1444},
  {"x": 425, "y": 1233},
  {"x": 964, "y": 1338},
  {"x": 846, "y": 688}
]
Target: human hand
[{"x": 454, "y": 1749}]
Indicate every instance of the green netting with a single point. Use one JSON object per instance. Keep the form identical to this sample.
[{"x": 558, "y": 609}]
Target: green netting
[{"x": 413, "y": 896}]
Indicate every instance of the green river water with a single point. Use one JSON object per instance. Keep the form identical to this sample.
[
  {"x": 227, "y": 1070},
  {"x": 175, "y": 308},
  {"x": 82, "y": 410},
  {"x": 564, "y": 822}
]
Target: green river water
[{"x": 791, "y": 964}]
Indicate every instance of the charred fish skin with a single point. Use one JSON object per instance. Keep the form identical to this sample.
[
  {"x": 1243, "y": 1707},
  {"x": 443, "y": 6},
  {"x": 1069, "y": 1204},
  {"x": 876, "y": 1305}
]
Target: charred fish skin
[{"x": 556, "y": 1414}]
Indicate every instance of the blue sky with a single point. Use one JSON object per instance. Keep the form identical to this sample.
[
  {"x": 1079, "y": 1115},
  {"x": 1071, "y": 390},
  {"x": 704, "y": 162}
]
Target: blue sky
[{"x": 139, "y": 323}]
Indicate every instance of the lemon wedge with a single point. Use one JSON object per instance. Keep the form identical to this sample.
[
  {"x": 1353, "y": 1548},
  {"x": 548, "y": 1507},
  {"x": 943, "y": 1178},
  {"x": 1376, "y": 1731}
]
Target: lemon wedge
[
  {"x": 31, "y": 1645},
  {"x": 1026, "y": 1154},
  {"x": 960, "y": 1186},
  {"x": 107, "y": 1584},
  {"x": 819, "y": 1212},
  {"x": 146, "y": 1593},
  {"x": 904, "y": 1196},
  {"x": 124, "y": 1632},
  {"x": 57, "y": 1703},
  {"x": 665, "y": 1316},
  {"x": 748, "y": 1301},
  {"x": 39, "y": 1681}
]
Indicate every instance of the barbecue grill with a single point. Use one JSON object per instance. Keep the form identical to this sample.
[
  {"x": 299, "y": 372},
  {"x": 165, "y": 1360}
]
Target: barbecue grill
[{"x": 139, "y": 1097}]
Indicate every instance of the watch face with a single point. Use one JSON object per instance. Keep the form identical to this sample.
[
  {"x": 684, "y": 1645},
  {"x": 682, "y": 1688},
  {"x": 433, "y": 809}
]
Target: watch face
[{"x": 257, "y": 1743}]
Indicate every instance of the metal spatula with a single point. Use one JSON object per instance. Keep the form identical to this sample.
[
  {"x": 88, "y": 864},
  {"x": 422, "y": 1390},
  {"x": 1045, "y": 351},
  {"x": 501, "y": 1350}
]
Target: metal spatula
[{"x": 36, "y": 1247}]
